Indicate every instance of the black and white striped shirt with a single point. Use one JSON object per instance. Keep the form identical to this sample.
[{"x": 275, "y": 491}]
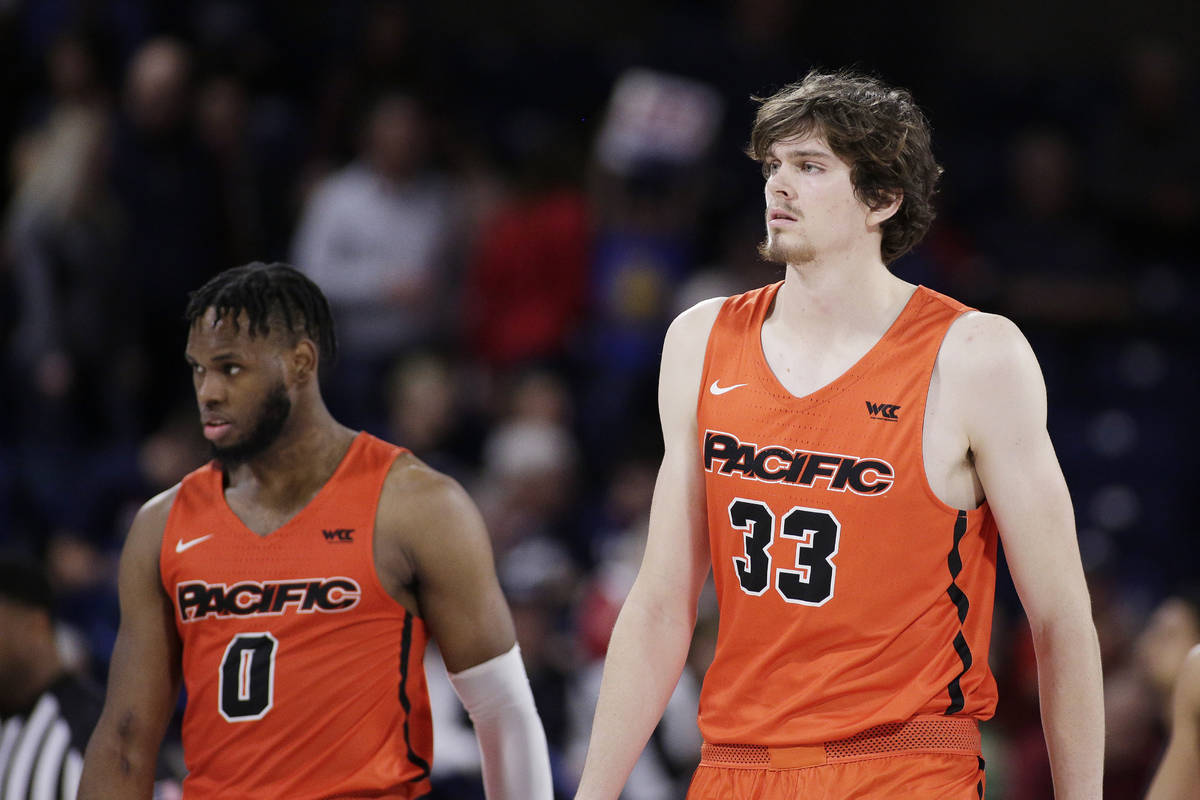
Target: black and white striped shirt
[{"x": 41, "y": 752}]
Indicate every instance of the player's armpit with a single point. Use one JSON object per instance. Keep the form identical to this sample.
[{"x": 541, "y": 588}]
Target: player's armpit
[
  {"x": 432, "y": 520},
  {"x": 1178, "y": 776},
  {"x": 144, "y": 673}
]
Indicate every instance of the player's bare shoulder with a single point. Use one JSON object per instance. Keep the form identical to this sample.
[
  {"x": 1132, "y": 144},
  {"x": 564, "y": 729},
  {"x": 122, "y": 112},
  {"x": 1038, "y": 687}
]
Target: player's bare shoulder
[
  {"x": 979, "y": 344},
  {"x": 149, "y": 524},
  {"x": 988, "y": 372},
  {"x": 415, "y": 494},
  {"x": 421, "y": 512},
  {"x": 689, "y": 331},
  {"x": 683, "y": 355}
]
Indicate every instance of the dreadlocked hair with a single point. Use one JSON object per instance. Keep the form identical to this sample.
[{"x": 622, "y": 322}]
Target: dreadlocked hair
[{"x": 270, "y": 294}]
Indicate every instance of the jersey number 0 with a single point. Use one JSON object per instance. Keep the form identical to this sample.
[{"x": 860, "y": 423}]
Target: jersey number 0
[
  {"x": 247, "y": 682},
  {"x": 816, "y": 533}
]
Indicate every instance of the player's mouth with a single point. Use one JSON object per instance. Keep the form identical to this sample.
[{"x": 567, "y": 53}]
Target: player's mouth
[
  {"x": 215, "y": 428},
  {"x": 777, "y": 216}
]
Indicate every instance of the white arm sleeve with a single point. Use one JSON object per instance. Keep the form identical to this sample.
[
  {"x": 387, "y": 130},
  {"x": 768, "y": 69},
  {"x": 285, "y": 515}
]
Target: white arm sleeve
[{"x": 496, "y": 693}]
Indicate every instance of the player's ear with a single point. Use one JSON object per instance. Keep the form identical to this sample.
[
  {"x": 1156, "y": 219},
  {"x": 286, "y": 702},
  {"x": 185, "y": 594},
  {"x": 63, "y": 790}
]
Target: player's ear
[
  {"x": 302, "y": 361},
  {"x": 888, "y": 205}
]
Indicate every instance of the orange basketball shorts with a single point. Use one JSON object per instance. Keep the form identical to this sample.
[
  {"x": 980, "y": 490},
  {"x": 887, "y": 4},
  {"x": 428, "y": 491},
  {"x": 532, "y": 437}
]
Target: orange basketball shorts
[
  {"x": 924, "y": 758},
  {"x": 913, "y": 776}
]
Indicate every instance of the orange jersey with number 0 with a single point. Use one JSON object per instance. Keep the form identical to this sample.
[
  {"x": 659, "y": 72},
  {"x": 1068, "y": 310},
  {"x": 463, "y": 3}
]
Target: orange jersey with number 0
[
  {"x": 850, "y": 595},
  {"x": 304, "y": 677}
]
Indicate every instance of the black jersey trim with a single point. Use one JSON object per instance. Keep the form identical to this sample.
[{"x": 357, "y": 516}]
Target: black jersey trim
[
  {"x": 405, "y": 703},
  {"x": 962, "y": 605},
  {"x": 957, "y": 700},
  {"x": 959, "y": 598}
]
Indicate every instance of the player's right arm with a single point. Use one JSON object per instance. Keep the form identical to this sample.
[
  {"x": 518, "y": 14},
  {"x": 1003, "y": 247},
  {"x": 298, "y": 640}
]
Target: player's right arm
[
  {"x": 650, "y": 642},
  {"x": 144, "y": 674},
  {"x": 1178, "y": 776}
]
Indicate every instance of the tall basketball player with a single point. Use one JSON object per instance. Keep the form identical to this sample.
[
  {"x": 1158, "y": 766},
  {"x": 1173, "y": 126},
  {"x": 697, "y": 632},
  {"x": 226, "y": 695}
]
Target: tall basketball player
[
  {"x": 844, "y": 449},
  {"x": 292, "y": 583}
]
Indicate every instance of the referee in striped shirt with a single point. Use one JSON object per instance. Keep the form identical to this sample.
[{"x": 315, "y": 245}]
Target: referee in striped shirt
[{"x": 46, "y": 713}]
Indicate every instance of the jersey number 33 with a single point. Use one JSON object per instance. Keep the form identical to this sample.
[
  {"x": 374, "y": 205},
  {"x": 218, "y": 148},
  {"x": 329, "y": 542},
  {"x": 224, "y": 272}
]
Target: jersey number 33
[{"x": 816, "y": 533}]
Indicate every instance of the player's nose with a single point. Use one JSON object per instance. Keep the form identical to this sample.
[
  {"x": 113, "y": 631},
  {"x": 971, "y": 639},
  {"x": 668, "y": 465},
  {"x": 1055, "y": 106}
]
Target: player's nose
[
  {"x": 210, "y": 390},
  {"x": 778, "y": 185}
]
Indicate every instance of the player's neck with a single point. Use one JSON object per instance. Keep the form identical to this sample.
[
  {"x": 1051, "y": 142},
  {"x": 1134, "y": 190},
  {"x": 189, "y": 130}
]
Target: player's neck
[
  {"x": 300, "y": 461},
  {"x": 838, "y": 294}
]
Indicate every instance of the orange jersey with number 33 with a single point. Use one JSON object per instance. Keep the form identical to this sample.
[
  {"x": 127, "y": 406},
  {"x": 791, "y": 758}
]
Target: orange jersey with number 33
[
  {"x": 850, "y": 595},
  {"x": 304, "y": 677}
]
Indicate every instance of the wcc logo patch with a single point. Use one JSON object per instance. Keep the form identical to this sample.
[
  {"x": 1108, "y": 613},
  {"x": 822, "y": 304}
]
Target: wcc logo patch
[
  {"x": 883, "y": 411},
  {"x": 338, "y": 535}
]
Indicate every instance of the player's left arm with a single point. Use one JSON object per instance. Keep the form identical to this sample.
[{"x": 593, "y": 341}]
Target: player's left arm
[
  {"x": 1178, "y": 776},
  {"x": 1000, "y": 396},
  {"x": 441, "y": 534}
]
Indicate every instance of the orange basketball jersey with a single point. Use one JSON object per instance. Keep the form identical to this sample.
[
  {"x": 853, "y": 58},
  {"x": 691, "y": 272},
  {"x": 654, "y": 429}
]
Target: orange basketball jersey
[
  {"x": 850, "y": 595},
  {"x": 304, "y": 677}
]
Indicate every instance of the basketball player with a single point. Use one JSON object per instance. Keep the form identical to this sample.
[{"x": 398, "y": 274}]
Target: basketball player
[
  {"x": 1178, "y": 776},
  {"x": 842, "y": 448},
  {"x": 292, "y": 583}
]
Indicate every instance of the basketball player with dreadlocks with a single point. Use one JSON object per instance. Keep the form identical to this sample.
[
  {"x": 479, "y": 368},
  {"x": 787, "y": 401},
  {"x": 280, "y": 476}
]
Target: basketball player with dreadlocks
[{"x": 291, "y": 585}]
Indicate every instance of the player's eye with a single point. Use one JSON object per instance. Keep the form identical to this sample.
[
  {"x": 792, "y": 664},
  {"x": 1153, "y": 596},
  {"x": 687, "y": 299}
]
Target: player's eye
[
  {"x": 810, "y": 167},
  {"x": 232, "y": 369},
  {"x": 769, "y": 168}
]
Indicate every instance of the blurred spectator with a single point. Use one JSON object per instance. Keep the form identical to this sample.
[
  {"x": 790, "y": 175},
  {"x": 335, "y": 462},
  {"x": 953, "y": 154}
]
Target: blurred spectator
[
  {"x": 427, "y": 413},
  {"x": 390, "y": 45},
  {"x": 736, "y": 267},
  {"x": 1047, "y": 249},
  {"x": 76, "y": 75},
  {"x": 222, "y": 117},
  {"x": 81, "y": 540},
  {"x": 528, "y": 486},
  {"x": 169, "y": 191},
  {"x": 624, "y": 507},
  {"x": 526, "y": 282},
  {"x": 528, "y": 483},
  {"x": 374, "y": 237},
  {"x": 73, "y": 343},
  {"x": 47, "y": 713},
  {"x": 1148, "y": 168},
  {"x": 648, "y": 185}
]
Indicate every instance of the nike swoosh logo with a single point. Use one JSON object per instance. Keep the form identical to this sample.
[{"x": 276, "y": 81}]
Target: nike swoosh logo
[
  {"x": 181, "y": 545},
  {"x": 715, "y": 389}
]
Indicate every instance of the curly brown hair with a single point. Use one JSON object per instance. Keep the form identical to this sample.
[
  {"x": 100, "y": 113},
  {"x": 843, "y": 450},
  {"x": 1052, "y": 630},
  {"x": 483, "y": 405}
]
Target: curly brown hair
[{"x": 877, "y": 129}]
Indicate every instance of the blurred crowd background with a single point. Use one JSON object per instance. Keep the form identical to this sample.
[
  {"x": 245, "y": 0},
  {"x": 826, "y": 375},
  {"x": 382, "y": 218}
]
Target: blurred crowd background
[{"x": 506, "y": 204}]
